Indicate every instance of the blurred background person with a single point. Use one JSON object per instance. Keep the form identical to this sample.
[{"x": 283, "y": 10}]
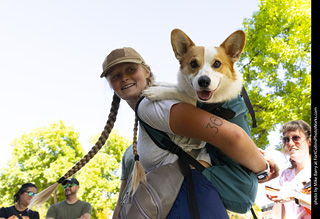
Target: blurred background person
[
  {"x": 71, "y": 207},
  {"x": 293, "y": 198},
  {"x": 20, "y": 208}
]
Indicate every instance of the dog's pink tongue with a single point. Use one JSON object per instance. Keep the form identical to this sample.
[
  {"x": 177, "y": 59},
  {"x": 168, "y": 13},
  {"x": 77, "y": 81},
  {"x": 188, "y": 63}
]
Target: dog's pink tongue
[{"x": 204, "y": 95}]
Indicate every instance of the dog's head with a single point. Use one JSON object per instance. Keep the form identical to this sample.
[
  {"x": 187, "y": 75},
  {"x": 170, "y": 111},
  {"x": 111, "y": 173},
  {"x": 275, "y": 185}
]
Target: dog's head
[{"x": 210, "y": 70}]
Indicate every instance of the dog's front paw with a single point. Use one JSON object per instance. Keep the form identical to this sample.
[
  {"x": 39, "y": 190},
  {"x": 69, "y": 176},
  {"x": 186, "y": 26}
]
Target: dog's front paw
[{"x": 153, "y": 93}]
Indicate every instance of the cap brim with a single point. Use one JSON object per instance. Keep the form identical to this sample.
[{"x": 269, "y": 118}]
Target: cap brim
[
  {"x": 65, "y": 182},
  {"x": 72, "y": 180},
  {"x": 105, "y": 72}
]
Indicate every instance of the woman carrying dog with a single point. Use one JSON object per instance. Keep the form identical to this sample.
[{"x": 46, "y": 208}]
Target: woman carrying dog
[{"x": 128, "y": 75}]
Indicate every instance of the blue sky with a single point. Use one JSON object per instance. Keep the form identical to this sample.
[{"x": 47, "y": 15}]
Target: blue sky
[{"x": 51, "y": 56}]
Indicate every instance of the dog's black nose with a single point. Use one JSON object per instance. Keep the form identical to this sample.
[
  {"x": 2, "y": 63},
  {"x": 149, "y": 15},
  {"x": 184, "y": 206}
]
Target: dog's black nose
[{"x": 204, "y": 81}]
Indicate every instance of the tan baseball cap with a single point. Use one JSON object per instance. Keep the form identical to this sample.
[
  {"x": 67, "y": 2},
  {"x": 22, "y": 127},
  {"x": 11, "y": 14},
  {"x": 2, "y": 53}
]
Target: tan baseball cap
[{"x": 122, "y": 55}]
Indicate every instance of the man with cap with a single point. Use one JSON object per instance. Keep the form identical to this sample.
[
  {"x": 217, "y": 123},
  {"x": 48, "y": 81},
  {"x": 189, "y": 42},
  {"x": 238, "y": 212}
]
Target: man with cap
[{"x": 71, "y": 207}]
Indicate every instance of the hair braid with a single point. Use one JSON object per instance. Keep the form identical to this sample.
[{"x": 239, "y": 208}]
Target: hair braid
[
  {"x": 138, "y": 174},
  {"x": 101, "y": 141},
  {"x": 45, "y": 194}
]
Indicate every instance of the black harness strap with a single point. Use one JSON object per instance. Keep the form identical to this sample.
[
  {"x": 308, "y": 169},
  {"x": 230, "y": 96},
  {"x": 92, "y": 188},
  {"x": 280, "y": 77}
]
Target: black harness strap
[
  {"x": 173, "y": 148},
  {"x": 191, "y": 192},
  {"x": 249, "y": 106},
  {"x": 253, "y": 214},
  {"x": 184, "y": 160}
]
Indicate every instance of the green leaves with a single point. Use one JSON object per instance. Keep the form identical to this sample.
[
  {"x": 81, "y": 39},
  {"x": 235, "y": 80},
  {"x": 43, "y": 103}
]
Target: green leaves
[
  {"x": 47, "y": 153},
  {"x": 40, "y": 157},
  {"x": 276, "y": 64},
  {"x": 101, "y": 175}
]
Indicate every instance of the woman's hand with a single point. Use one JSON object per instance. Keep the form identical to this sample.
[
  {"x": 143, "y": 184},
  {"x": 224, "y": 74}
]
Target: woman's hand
[
  {"x": 287, "y": 195},
  {"x": 274, "y": 169},
  {"x": 283, "y": 196}
]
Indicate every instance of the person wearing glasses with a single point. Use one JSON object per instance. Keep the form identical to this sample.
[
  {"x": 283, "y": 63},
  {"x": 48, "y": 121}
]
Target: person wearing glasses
[
  {"x": 293, "y": 198},
  {"x": 71, "y": 207},
  {"x": 21, "y": 199}
]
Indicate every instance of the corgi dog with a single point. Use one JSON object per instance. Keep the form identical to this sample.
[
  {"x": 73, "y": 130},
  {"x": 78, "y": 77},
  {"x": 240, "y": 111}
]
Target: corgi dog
[{"x": 206, "y": 74}]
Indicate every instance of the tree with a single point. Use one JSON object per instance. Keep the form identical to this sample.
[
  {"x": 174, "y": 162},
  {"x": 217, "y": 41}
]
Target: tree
[
  {"x": 100, "y": 182},
  {"x": 276, "y": 64},
  {"x": 40, "y": 157},
  {"x": 45, "y": 154}
]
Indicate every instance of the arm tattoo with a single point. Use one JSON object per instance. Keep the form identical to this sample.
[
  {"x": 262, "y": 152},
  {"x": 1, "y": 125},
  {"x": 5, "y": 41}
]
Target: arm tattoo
[{"x": 214, "y": 123}]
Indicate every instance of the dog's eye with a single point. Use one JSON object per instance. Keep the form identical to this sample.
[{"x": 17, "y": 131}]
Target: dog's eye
[
  {"x": 216, "y": 64},
  {"x": 194, "y": 64}
]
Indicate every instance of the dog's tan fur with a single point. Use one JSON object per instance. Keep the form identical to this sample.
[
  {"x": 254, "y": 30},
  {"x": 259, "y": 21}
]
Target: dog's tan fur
[{"x": 223, "y": 81}]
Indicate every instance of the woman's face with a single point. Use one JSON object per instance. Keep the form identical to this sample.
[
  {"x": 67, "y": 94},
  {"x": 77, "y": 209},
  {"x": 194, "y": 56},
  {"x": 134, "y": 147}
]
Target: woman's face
[
  {"x": 297, "y": 144},
  {"x": 128, "y": 80},
  {"x": 26, "y": 197}
]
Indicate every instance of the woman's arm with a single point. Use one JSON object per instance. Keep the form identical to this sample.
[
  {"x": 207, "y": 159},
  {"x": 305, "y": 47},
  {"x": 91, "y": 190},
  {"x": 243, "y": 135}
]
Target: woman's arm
[
  {"x": 85, "y": 216},
  {"x": 285, "y": 195},
  {"x": 278, "y": 211},
  {"x": 232, "y": 140},
  {"x": 305, "y": 200}
]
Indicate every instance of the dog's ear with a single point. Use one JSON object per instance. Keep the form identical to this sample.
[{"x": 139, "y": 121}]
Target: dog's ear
[
  {"x": 234, "y": 45},
  {"x": 180, "y": 43}
]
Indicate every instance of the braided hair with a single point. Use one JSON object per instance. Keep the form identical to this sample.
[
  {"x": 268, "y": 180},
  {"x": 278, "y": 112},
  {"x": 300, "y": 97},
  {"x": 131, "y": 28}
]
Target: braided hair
[
  {"x": 138, "y": 171},
  {"x": 45, "y": 194},
  {"x": 138, "y": 174}
]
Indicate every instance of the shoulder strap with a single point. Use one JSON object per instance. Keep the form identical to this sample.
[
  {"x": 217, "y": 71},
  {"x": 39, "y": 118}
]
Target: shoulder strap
[
  {"x": 253, "y": 214},
  {"x": 162, "y": 140},
  {"x": 254, "y": 125},
  {"x": 249, "y": 106}
]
